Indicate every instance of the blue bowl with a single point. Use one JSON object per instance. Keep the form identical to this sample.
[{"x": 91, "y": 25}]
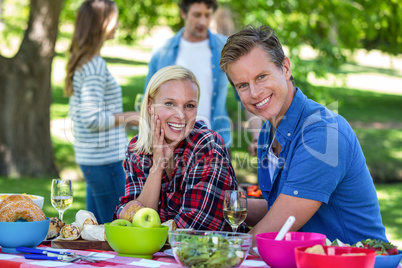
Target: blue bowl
[
  {"x": 388, "y": 261},
  {"x": 22, "y": 234}
]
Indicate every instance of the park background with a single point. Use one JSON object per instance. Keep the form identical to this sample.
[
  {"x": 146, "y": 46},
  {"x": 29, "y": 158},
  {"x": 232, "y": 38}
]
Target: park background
[{"x": 344, "y": 54}]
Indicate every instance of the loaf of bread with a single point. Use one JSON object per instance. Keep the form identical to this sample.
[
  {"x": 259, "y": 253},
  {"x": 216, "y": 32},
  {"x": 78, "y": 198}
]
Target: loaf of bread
[{"x": 20, "y": 208}]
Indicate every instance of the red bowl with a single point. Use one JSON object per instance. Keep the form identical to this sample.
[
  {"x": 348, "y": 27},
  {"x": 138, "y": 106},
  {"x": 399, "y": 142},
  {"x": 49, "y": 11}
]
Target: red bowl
[
  {"x": 335, "y": 259},
  {"x": 281, "y": 254}
]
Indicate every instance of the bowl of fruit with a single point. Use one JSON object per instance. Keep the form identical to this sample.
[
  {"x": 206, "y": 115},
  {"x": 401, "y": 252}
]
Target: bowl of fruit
[
  {"x": 140, "y": 238},
  {"x": 209, "y": 248}
]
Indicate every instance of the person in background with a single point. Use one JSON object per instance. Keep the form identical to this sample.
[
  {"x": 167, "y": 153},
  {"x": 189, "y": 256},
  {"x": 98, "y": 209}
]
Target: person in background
[
  {"x": 96, "y": 108},
  {"x": 310, "y": 163},
  {"x": 176, "y": 165},
  {"x": 196, "y": 48}
]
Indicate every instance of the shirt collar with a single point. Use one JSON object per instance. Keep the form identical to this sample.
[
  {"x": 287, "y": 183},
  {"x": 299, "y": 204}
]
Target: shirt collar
[
  {"x": 290, "y": 121},
  {"x": 177, "y": 37}
]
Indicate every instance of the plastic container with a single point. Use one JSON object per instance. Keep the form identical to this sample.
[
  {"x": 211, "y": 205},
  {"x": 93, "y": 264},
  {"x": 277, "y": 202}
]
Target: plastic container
[
  {"x": 209, "y": 248},
  {"x": 22, "y": 234},
  {"x": 281, "y": 253},
  {"x": 335, "y": 258},
  {"x": 388, "y": 261},
  {"x": 136, "y": 242}
]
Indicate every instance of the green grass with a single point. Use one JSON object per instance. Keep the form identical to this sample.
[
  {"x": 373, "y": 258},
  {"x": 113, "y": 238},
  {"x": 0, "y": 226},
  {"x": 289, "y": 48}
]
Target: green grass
[
  {"x": 390, "y": 199},
  {"x": 366, "y": 106}
]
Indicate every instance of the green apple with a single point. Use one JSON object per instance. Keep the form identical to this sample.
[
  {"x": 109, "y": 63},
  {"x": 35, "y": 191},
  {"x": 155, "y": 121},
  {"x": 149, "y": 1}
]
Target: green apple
[
  {"x": 146, "y": 218},
  {"x": 121, "y": 222}
]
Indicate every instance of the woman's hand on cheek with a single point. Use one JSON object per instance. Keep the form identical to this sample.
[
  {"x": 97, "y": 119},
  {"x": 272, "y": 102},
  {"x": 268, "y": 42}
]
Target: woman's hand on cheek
[{"x": 162, "y": 153}]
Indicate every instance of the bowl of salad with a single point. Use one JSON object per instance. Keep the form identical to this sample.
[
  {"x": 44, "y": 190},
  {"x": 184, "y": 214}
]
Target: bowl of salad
[
  {"x": 209, "y": 248},
  {"x": 388, "y": 255}
]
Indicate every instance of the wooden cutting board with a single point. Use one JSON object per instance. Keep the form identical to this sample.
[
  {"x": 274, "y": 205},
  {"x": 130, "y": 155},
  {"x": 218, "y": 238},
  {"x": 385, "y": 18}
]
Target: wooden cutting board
[{"x": 81, "y": 244}]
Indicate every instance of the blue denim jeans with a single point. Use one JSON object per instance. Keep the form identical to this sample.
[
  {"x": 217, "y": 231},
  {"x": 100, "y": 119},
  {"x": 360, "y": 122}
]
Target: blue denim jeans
[{"x": 105, "y": 185}]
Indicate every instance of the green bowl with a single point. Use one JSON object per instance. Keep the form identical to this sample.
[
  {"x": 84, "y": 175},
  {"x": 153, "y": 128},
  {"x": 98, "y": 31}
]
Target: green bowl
[{"x": 136, "y": 242}]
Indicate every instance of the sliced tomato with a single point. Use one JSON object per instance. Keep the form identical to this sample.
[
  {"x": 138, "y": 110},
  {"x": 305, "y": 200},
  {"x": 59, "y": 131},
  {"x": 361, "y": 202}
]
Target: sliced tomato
[{"x": 252, "y": 188}]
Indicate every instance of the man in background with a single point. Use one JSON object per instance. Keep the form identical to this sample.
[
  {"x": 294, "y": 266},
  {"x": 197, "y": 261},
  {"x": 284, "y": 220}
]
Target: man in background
[{"x": 197, "y": 49}]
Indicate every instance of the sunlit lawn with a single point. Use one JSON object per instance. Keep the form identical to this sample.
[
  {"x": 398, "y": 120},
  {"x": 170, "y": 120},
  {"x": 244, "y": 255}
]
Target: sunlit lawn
[{"x": 390, "y": 198}]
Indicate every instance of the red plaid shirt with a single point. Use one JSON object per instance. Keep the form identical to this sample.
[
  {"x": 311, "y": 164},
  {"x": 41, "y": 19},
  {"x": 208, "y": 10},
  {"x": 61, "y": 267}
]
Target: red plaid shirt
[{"x": 193, "y": 197}]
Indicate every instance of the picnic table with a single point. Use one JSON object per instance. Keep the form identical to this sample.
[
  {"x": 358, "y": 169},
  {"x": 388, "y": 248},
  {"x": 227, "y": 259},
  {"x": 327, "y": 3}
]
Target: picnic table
[{"x": 107, "y": 259}]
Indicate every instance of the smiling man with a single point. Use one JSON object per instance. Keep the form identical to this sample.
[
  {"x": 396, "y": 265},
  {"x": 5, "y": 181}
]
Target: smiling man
[
  {"x": 310, "y": 163},
  {"x": 197, "y": 49}
]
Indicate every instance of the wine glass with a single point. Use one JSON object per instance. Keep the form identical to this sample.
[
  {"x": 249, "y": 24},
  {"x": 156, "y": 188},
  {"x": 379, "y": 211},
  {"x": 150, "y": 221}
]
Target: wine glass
[
  {"x": 61, "y": 195},
  {"x": 138, "y": 102},
  {"x": 235, "y": 207}
]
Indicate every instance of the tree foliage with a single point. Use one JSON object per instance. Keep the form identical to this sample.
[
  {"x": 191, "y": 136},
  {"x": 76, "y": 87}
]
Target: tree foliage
[
  {"x": 333, "y": 28},
  {"x": 136, "y": 18}
]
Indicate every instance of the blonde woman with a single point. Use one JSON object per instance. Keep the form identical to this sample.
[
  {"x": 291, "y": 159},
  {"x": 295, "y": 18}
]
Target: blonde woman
[
  {"x": 96, "y": 108},
  {"x": 176, "y": 165}
]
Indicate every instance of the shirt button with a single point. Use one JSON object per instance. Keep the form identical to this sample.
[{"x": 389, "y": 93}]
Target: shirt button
[
  {"x": 289, "y": 134},
  {"x": 214, "y": 93},
  {"x": 212, "y": 107},
  {"x": 295, "y": 192},
  {"x": 214, "y": 79},
  {"x": 213, "y": 65}
]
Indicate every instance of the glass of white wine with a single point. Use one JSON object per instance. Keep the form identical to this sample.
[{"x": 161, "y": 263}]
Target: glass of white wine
[
  {"x": 61, "y": 195},
  {"x": 235, "y": 207}
]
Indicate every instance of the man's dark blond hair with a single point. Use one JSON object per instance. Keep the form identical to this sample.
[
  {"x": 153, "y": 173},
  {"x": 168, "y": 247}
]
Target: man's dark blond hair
[{"x": 242, "y": 42}]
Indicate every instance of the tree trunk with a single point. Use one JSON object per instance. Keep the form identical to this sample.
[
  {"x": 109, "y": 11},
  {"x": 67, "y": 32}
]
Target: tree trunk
[{"x": 25, "y": 97}]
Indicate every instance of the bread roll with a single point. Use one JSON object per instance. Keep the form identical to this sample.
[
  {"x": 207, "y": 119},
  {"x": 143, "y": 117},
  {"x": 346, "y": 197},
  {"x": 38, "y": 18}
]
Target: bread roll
[
  {"x": 54, "y": 228},
  {"x": 171, "y": 224}
]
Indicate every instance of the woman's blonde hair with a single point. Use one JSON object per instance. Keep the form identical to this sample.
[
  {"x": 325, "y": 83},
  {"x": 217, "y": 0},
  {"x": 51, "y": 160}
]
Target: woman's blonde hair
[
  {"x": 145, "y": 135},
  {"x": 92, "y": 27}
]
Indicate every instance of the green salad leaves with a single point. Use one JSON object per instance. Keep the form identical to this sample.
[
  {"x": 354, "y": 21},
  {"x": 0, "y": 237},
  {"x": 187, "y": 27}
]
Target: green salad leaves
[{"x": 209, "y": 251}]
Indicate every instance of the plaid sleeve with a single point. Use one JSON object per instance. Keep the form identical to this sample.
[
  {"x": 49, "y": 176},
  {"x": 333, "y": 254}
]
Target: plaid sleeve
[
  {"x": 207, "y": 179},
  {"x": 135, "y": 167}
]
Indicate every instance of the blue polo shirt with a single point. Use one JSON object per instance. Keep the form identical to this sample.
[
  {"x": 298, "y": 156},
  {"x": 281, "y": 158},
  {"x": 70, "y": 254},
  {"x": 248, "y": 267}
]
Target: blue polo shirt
[{"x": 321, "y": 159}]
